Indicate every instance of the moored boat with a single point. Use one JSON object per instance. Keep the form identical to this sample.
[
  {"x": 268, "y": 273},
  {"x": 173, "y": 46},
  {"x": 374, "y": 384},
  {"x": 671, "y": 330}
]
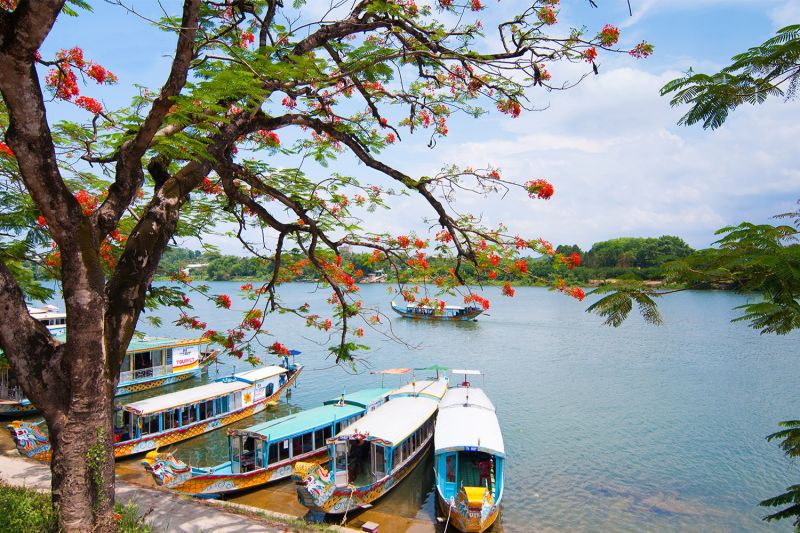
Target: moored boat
[
  {"x": 469, "y": 459},
  {"x": 150, "y": 362},
  {"x": 372, "y": 455},
  {"x": 429, "y": 312},
  {"x": 266, "y": 452},
  {"x": 148, "y": 424}
]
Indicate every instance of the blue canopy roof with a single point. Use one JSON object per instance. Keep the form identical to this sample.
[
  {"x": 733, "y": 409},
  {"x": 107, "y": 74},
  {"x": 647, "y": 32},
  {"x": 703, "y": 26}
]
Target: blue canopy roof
[{"x": 304, "y": 421}]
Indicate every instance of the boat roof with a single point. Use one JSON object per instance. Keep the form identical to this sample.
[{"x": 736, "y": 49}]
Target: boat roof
[
  {"x": 156, "y": 343},
  {"x": 220, "y": 387},
  {"x": 466, "y": 372},
  {"x": 361, "y": 398},
  {"x": 467, "y": 420},
  {"x": 393, "y": 421},
  {"x": 432, "y": 388},
  {"x": 304, "y": 421}
]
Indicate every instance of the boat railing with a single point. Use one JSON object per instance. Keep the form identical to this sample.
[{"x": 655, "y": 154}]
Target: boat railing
[
  {"x": 145, "y": 373},
  {"x": 11, "y": 393}
]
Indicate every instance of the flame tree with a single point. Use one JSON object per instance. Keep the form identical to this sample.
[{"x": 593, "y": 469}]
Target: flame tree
[{"x": 96, "y": 202}]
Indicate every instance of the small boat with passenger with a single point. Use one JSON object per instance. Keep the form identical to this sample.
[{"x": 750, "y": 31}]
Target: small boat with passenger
[
  {"x": 370, "y": 456},
  {"x": 148, "y": 424},
  {"x": 266, "y": 452},
  {"x": 149, "y": 362},
  {"x": 430, "y": 312},
  {"x": 469, "y": 458}
]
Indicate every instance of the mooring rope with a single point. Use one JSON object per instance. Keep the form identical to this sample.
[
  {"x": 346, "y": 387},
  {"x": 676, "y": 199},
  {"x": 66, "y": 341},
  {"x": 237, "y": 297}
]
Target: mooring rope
[{"x": 347, "y": 507}]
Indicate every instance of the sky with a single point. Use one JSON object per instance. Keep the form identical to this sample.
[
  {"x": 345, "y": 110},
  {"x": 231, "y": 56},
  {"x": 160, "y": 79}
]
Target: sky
[{"x": 620, "y": 164}]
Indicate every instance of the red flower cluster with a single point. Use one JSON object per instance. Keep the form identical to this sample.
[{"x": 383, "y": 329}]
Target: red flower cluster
[
  {"x": 63, "y": 81},
  {"x": 642, "y": 50},
  {"x": 573, "y": 260},
  {"x": 492, "y": 274},
  {"x": 547, "y": 248},
  {"x": 419, "y": 244},
  {"x": 403, "y": 241},
  {"x": 509, "y": 107},
  {"x": 575, "y": 292},
  {"x": 5, "y": 150},
  {"x": 223, "y": 300},
  {"x": 539, "y": 189},
  {"x": 609, "y": 35},
  {"x": 521, "y": 265},
  {"x": 87, "y": 202},
  {"x": 360, "y": 332},
  {"x": 483, "y": 302},
  {"x": 444, "y": 236},
  {"x": 418, "y": 262},
  {"x": 41, "y": 221},
  {"x": 89, "y": 104},
  {"x": 590, "y": 54},
  {"x": 520, "y": 243},
  {"x": 547, "y": 15},
  {"x": 270, "y": 137},
  {"x": 247, "y": 287},
  {"x": 508, "y": 290},
  {"x": 289, "y": 102},
  {"x": 279, "y": 349},
  {"x": 475, "y": 5},
  {"x": 246, "y": 38},
  {"x": 390, "y": 138}
]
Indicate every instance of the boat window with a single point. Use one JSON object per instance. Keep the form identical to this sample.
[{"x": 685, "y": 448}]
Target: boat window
[
  {"x": 168, "y": 356},
  {"x": 206, "y": 409},
  {"x": 236, "y": 457},
  {"x": 259, "y": 452},
  {"x": 450, "y": 468},
  {"x": 221, "y": 405},
  {"x": 149, "y": 424},
  {"x": 248, "y": 459},
  {"x": 319, "y": 439},
  {"x": 283, "y": 450},
  {"x": 237, "y": 400},
  {"x": 202, "y": 411},
  {"x": 273, "y": 453},
  {"x": 308, "y": 444},
  {"x": 270, "y": 390},
  {"x": 158, "y": 357},
  {"x": 338, "y": 427},
  {"x": 327, "y": 433},
  {"x": 169, "y": 419},
  {"x": 297, "y": 446},
  {"x": 142, "y": 360},
  {"x": 396, "y": 457},
  {"x": 188, "y": 415},
  {"x": 126, "y": 363},
  {"x": 378, "y": 461}
]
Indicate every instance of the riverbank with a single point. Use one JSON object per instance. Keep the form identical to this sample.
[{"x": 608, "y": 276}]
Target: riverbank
[{"x": 167, "y": 511}]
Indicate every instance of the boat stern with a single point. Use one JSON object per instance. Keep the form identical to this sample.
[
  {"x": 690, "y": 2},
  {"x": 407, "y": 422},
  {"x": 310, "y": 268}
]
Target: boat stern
[
  {"x": 30, "y": 440},
  {"x": 166, "y": 469}
]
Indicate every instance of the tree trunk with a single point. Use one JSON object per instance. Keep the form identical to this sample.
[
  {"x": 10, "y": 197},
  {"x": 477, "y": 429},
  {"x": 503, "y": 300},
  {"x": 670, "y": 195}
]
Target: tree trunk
[{"x": 83, "y": 463}]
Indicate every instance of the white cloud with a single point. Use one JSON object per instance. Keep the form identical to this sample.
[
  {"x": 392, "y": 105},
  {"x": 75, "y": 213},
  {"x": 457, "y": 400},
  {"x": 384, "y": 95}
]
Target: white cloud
[{"x": 786, "y": 14}]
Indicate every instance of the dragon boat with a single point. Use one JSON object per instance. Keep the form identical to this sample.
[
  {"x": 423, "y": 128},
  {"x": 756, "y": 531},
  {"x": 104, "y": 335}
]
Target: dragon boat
[
  {"x": 369, "y": 457},
  {"x": 447, "y": 312},
  {"x": 150, "y": 362},
  {"x": 469, "y": 459},
  {"x": 265, "y": 452},
  {"x": 148, "y": 424}
]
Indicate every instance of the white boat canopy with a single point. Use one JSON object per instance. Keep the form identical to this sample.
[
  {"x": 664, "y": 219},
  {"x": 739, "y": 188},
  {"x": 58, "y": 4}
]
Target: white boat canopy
[
  {"x": 467, "y": 421},
  {"x": 432, "y": 388},
  {"x": 220, "y": 387},
  {"x": 393, "y": 421},
  {"x": 466, "y": 372}
]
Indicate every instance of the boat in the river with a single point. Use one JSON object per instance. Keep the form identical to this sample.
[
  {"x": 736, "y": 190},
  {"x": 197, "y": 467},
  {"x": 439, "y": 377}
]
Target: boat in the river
[
  {"x": 429, "y": 312},
  {"x": 469, "y": 458},
  {"x": 149, "y": 362},
  {"x": 379, "y": 276},
  {"x": 49, "y": 315},
  {"x": 266, "y": 452},
  {"x": 369, "y": 457},
  {"x": 169, "y": 418}
]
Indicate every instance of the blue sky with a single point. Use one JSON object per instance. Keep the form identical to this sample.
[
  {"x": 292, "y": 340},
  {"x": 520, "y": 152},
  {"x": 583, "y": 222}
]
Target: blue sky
[{"x": 620, "y": 164}]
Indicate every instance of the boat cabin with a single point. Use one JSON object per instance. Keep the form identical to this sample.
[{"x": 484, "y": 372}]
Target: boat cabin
[
  {"x": 190, "y": 406},
  {"x": 50, "y": 316},
  {"x": 469, "y": 450},
  {"x": 298, "y": 436},
  {"x": 158, "y": 356},
  {"x": 388, "y": 438}
]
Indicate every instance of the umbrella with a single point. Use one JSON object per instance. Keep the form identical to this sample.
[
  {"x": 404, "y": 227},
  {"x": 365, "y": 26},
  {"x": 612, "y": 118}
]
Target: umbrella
[{"x": 434, "y": 367}]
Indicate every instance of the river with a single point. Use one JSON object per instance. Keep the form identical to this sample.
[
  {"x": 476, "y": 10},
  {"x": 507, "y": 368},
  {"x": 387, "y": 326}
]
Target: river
[{"x": 606, "y": 429}]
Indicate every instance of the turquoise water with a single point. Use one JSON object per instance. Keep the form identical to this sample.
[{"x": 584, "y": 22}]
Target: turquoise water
[{"x": 629, "y": 429}]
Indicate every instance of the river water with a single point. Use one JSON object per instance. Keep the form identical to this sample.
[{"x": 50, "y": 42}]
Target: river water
[{"x": 628, "y": 429}]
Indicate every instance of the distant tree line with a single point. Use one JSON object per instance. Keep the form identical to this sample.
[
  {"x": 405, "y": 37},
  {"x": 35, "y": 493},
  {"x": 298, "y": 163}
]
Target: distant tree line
[{"x": 624, "y": 258}]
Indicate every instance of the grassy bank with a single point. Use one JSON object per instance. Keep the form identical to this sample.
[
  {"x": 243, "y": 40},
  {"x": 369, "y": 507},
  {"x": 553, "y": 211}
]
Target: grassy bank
[{"x": 24, "y": 510}]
